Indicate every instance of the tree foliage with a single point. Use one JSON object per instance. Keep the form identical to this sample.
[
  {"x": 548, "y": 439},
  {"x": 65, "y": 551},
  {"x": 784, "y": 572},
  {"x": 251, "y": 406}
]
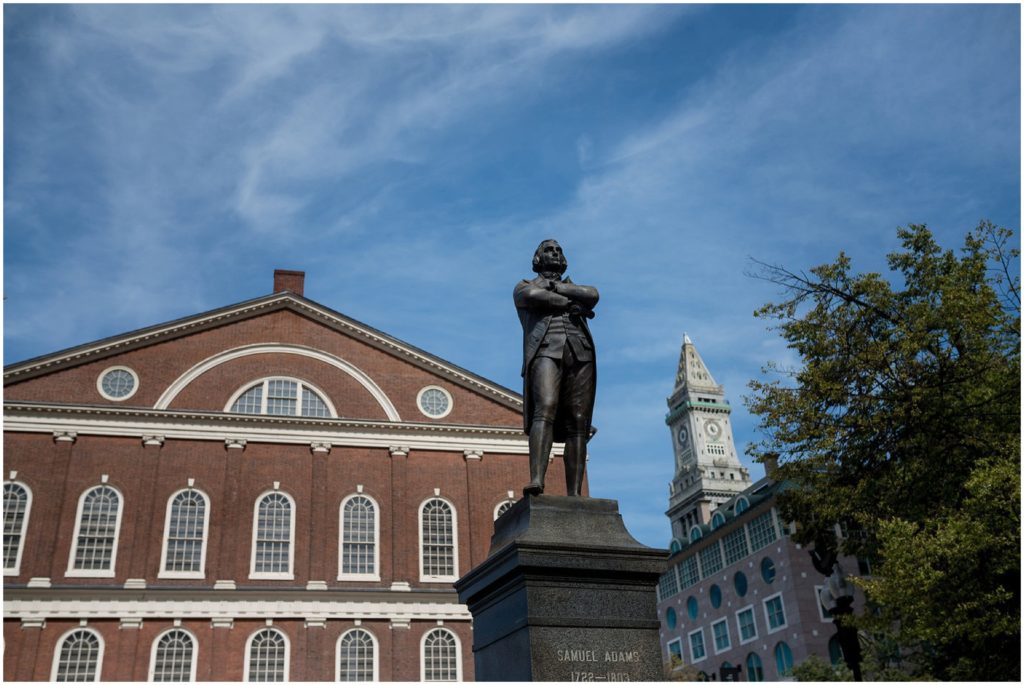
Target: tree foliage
[
  {"x": 903, "y": 423},
  {"x": 816, "y": 669}
]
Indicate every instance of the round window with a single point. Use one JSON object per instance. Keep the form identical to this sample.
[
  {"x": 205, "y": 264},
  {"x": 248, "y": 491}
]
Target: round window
[
  {"x": 117, "y": 383},
  {"x": 434, "y": 402},
  {"x": 740, "y": 583},
  {"x": 767, "y": 569},
  {"x": 716, "y": 596},
  {"x": 670, "y": 618},
  {"x": 691, "y": 606}
]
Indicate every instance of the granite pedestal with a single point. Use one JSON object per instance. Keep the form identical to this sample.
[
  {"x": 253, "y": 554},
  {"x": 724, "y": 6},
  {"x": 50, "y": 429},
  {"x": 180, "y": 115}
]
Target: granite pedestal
[{"x": 566, "y": 594}]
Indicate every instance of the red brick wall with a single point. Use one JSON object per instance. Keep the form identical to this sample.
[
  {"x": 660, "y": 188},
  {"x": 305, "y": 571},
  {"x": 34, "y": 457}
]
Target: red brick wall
[
  {"x": 221, "y": 651},
  {"x": 159, "y": 365}
]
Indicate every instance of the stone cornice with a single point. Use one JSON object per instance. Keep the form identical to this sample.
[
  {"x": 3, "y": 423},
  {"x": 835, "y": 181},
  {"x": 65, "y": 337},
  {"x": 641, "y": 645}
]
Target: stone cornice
[
  {"x": 270, "y": 303},
  {"x": 204, "y": 603},
  {"x": 40, "y": 417}
]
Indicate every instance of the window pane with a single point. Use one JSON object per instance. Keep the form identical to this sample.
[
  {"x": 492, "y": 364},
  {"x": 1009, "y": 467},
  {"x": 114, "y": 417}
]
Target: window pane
[
  {"x": 15, "y": 510},
  {"x": 438, "y": 539},
  {"x": 762, "y": 531},
  {"x": 688, "y": 572},
  {"x": 735, "y": 544},
  {"x": 313, "y": 404},
  {"x": 79, "y": 657},
  {"x": 755, "y": 673},
  {"x": 267, "y": 657},
  {"x": 282, "y": 397},
  {"x": 783, "y": 659},
  {"x": 94, "y": 547},
  {"x": 721, "y": 631},
  {"x": 711, "y": 560},
  {"x": 185, "y": 532},
  {"x": 748, "y": 631},
  {"x": 668, "y": 584},
  {"x": 440, "y": 657},
  {"x": 355, "y": 657},
  {"x": 173, "y": 659},
  {"x": 697, "y": 645},
  {"x": 776, "y": 616},
  {"x": 358, "y": 544},
  {"x": 273, "y": 535},
  {"x": 249, "y": 402}
]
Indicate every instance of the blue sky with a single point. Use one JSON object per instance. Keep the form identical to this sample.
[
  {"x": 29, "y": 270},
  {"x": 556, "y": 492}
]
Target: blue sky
[{"x": 160, "y": 161}]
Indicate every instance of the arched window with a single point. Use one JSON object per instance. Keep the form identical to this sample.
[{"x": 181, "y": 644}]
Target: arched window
[
  {"x": 755, "y": 672},
  {"x": 174, "y": 657},
  {"x": 695, "y": 534},
  {"x": 184, "y": 550},
  {"x": 360, "y": 529},
  {"x": 717, "y": 520},
  {"x": 502, "y": 507},
  {"x": 267, "y": 660},
  {"x": 94, "y": 551},
  {"x": 675, "y": 546},
  {"x": 357, "y": 656},
  {"x": 440, "y": 656},
  {"x": 273, "y": 532},
  {"x": 783, "y": 660},
  {"x": 742, "y": 504},
  {"x": 438, "y": 543},
  {"x": 78, "y": 657},
  {"x": 281, "y": 397},
  {"x": 17, "y": 503}
]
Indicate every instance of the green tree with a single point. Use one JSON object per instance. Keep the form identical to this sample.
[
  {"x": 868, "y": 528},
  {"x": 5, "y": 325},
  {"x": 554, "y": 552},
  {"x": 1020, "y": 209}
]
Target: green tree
[
  {"x": 903, "y": 423},
  {"x": 816, "y": 669}
]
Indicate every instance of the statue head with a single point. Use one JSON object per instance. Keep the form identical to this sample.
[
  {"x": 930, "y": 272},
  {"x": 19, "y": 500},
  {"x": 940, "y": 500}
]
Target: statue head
[{"x": 549, "y": 258}]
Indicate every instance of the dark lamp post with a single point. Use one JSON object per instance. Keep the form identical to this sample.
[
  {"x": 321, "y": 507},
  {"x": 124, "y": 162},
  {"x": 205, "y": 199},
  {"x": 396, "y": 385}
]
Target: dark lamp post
[{"x": 837, "y": 598}]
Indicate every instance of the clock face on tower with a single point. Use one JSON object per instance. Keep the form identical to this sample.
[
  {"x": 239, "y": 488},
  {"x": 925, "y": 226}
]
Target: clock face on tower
[
  {"x": 683, "y": 436},
  {"x": 713, "y": 430}
]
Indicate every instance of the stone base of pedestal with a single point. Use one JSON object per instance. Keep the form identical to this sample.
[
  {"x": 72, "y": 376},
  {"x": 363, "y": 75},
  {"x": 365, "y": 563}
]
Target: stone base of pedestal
[{"x": 566, "y": 594}]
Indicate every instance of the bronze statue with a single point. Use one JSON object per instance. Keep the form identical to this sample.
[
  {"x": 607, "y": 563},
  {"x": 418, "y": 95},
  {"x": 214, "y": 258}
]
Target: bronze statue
[{"x": 559, "y": 369}]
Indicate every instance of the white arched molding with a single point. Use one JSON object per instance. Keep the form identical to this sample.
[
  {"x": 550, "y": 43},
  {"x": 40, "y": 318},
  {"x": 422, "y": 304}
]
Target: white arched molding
[
  {"x": 248, "y": 652},
  {"x": 201, "y": 573},
  {"x": 342, "y": 574},
  {"x": 424, "y": 655},
  {"x": 55, "y": 671},
  {"x": 431, "y": 578},
  {"x": 376, "y": 654},
  {"x": 248, "y": 350},
  {"x": 273, "y": 575},
  {"x": 156, "y": 644},
  {"x": 12, "y": 512},
  {"x": 75, "y": 541}
]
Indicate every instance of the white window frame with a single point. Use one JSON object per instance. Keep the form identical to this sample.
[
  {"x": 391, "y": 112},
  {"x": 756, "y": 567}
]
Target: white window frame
[
  {"x": 273, "y": 575},
  {"x": 22, "y": 534},
  {"x": 507, "y": 500},
  {"x": 156, "y": 643},
  {"x": 164, "y": 573},
  {"x": 448, "y": 395},
  {"x": 817, "y": 602},
  {"x": 376, "y": 653},
  {"x": 72, "y": 572},
  {"x": 767, "y": 622},
  {"x": 728, "y": 637},
  {"x": 668, "y": 648},
  {"x": 263, "y": 398},
  {"x": 287, "y": 651},
  {"x": 104, "y": 372},
  {"x": 739, "y": 626},
  {"x": 423, "y": 654},
  {"x": 376, "y": 539},
  {"x": 59, "y": 646},
  {"x": 689, "y": 643},
  {"x": 455, "y": 542}
]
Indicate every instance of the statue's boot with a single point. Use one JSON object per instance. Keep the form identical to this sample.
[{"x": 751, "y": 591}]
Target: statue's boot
[
  {"x": 575, "y": 459},
  {"x": 541, "y": 437}
]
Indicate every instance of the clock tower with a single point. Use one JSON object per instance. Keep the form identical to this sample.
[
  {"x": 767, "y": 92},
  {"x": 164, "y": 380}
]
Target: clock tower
[{"x": 708, "y": 471}]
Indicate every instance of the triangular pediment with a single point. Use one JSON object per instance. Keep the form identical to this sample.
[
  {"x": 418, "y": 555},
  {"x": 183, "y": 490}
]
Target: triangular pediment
[{"x": 233, "y": 314}]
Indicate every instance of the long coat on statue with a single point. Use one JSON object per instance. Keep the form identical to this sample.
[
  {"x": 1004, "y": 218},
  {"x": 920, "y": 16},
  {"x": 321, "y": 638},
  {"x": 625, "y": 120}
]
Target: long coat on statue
[{"x": 535, "y": 314}]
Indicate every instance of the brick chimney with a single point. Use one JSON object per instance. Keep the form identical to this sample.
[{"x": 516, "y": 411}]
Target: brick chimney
[
  {"x": 289, "y": 280},
  {"x": 771, "y": 464}
]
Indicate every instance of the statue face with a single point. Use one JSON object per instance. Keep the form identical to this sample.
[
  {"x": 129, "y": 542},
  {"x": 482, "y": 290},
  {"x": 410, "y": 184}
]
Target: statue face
[{"x": 549, "y": 258}]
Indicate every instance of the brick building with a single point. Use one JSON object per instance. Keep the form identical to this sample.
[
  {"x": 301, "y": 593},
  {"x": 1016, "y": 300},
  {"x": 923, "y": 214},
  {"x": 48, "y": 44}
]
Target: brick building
[
  {"x": 738, "y": 591},
  {"x": 266, "y": 491}
]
